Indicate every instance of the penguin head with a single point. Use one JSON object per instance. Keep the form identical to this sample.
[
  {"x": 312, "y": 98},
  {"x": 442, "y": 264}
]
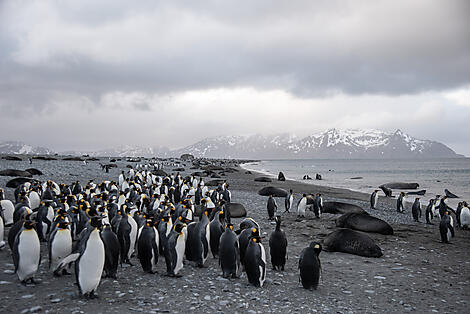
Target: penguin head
[
  {"x": 179, "y": 227},
  {"x": 96, "y": 221},
  {"x": 316, "y": 247},
  {"x": 29, "y": 224},
  {"x": 229, "y": 226},
  {"x": 63, "y": 224},
  {"x": 431, "y": 201},
  {"x": 254, "y": 232}
]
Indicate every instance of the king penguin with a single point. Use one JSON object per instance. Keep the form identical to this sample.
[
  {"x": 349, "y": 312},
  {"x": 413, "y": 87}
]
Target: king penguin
[
  {"x": 416, "y": 210},
  {"x": 401, "y": 202},
  {"x": 216, "y": 230},
  {"x": 229, "y": 253},
  {"x": 302, "y": 206},
  {"x": 289, "y": 201},
  {"x": 310, "y": 266},
  {"x": 197, "y": 248},
  {"x": 26, "y": 252},
  {"x": 174, "y": 252},
  {"x": 112, "y": 251},
  {"x": 147, "y": 247},
  {"x": 255, "y": 260},
  {"x": 278, "y": 246},
  {"x": 446, "y": 228},
  {"x": 430, "y": 212},
  {"x": 374, "y": 197},
  {"x": 60, "y": 246}
]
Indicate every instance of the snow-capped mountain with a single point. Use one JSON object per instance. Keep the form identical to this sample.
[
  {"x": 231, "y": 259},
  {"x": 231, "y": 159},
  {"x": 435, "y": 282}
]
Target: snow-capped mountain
[
  {"x": 334, "y": 143},
  {"x": 132, "y": 151},
  {"x": 20, "y": 148}
]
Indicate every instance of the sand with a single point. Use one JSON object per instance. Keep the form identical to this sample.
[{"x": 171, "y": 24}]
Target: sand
[{"x": 416, "y": 273}]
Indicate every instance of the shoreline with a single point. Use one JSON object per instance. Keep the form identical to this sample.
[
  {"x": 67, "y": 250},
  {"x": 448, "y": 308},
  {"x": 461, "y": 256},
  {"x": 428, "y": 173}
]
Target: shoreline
[{"x": 409, "y": 273}]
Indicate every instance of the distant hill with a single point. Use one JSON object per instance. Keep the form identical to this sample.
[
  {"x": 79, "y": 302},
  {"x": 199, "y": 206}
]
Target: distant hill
[
  {"x": 333, "y": 143},
  {"x": 20, "y": 148}
]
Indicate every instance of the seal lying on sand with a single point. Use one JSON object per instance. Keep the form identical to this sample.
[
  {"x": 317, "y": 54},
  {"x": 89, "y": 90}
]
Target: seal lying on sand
[
  {"x": 271, "y": 190},
  {"x": 400, "y": 186},
  {"x": 364, "y": 222},
  {"x": 236, "y": 210},
  {"x": 341, "y": 208},
  {"x": 263, "y": 179},
  {"x": 352, "y": 242}
]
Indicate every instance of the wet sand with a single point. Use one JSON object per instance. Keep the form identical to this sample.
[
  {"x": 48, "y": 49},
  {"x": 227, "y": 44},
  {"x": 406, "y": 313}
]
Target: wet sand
[{"x": 416, "y": 273}]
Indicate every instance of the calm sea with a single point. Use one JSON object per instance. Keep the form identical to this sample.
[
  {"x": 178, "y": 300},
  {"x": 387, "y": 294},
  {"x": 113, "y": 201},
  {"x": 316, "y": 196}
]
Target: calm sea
[{"x": 433, "y": 175}]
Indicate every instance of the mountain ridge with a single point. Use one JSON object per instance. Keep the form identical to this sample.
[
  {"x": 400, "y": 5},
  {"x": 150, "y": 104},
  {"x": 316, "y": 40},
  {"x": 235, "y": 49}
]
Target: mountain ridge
[{"x": 333, "y": 143}]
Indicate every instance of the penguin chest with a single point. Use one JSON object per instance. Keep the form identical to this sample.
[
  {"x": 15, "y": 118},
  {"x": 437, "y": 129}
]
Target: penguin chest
[
  {"x": 179, "y": 248},
  {"x": 465, "y": 217},
  {"x": 2, "y": 243},
  {"x": 302, "y": 206},
  {"x": 90, "y": 265},
  {"x": 262, "y": 266},
  {"x": 28, "y": 253},
  {"x": 61, "y": 246},
  {"x": 132, "y": 235}
]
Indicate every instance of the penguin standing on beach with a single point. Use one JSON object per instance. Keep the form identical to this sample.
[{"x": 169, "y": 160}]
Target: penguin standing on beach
[
  {"x": 465, "y": 216},
  {"x": 229, "y": 253},
  {"x": 89, "y": 260},
  {"x": 401, "y": 202},
  {"x": 429, "y": 212},
  {"x": 278, "y": 246},
  {"x": 127, "y": 234},
  {"x": 416, "y": 210},
  {"x": 26, "y": 252},
  {"x": 112, "y": 251},
  {"x": 147, "y": 247},
  {"x": 216, "y": 229},
  {"x": 255, "y": 260},
  {"x": 446, "y": 228},
  {"x": 289, "y": 201},
  {"x": 318, "y": 205},
  {"x": 197, "y": 243},
  {"x": 60, "y": 246},
  {"x": 374, "y": 197},
  {"x": 310, "y": 266},
  {"x": 174, "y": 252},
  {"x": 271, "y": 207},
  {"x": 302, "y": 206}
]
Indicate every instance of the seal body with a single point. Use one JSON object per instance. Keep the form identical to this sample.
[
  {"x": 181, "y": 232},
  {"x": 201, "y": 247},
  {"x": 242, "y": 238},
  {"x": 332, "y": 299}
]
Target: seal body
[{"x": 352, "y": 242}]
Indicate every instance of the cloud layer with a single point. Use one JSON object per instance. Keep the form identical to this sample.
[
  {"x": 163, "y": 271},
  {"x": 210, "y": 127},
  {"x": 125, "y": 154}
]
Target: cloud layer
[{"x": 171, "y": 73}]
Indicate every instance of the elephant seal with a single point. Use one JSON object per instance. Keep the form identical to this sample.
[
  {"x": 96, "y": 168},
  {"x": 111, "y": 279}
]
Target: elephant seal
[
  {"x": 236, "y": 210},
  {"x": 421, "y": 192},
  {"x": 34, "y": 172},
  {"x": 400, "y": 186},
  {"x": 12, "y": 158},
  {"x": 159, "y": 172},
  {"x": 214, "y": 182},
  {"x": 271, "y": 190},
  {"x": 341, "y": 208},
  {"x": 364, "y": 222},
  {"x": 16, "y": 182},
  {"x": 449, "y": 194},
  {"x": 352, "y": 242},
  {"x": 387, "y": 191},
  {"x": 281, "y": 177},
  {"x": 263, "y": 179},
  {"x": 15, "y": 173}
]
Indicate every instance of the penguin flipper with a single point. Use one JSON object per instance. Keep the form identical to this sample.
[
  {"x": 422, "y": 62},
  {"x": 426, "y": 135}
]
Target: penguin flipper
[{"x": 67, "y": 260}]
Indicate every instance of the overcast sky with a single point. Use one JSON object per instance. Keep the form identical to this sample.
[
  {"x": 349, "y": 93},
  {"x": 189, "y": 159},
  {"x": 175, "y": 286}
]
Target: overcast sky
[{"x": 86, "y": 75}]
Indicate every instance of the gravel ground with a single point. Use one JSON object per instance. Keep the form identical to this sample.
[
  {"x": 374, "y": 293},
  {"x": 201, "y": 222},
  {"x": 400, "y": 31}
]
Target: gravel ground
[{"x": 416, "y": 273}]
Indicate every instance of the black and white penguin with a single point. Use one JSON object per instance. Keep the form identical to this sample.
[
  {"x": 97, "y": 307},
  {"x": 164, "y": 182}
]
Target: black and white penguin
[
  {"x": 147, "y": 247},
  {"x": 60, "y": 245},
  {"x": 197, "y": 246},
  {"x": 446, "y": 228},
  {"x": 127, "y": 234},
  {"x": 430, "y": 212},
  {"x": 271, "y": 207},
  {"x": 7, "y": 207},
  {"x": 229, "y": 253},
  {"x": 318, "y": 205},
  {"x": 278, "y": 246},
  {"x": 255, "y": 260},
  {"x": 416, "y": 210},
  {"x": 465, "y": 216},
  {"x": 401, "y": 202},
  {"x": 26, "y": 252},
  {"x": 216, "y": 229},
  {"x": 374, "y": 197},
  {"x": 289, "y": 201},
  {"x": 176, "y": 247},
  {"x": 310, "y": 266},
  {"x": 302, "y": 206},
  {"x": 2, "y": 230},
  {"x": 112, "y": 251}
]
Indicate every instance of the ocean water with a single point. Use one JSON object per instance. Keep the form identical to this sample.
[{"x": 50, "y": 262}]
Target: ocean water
[{"x": 433, "y": 175}]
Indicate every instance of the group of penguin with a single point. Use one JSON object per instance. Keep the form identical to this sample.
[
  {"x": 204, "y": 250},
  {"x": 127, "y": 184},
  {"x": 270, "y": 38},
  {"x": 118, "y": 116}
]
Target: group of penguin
[
  {"x": 437, "y": 208},
  {"x": 101, "y": 226}
]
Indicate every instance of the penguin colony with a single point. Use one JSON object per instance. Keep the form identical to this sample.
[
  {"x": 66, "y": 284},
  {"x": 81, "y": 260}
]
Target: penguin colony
[
  {"x": 93, "y": 229},
  {"x": 148, "y": 218}
]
